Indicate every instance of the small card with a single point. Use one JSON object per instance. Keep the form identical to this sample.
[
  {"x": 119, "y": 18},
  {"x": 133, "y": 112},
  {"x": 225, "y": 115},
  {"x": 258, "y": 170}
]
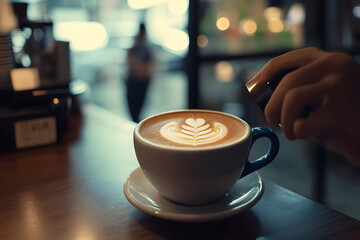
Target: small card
[{"x": 35, "y": 132}]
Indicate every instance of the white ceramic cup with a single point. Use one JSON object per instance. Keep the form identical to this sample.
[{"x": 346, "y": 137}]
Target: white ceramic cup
[{"x": 196, "y": 176}]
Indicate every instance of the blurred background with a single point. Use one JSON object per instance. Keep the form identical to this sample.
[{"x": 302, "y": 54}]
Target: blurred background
[{"x": 201, "y": 54}]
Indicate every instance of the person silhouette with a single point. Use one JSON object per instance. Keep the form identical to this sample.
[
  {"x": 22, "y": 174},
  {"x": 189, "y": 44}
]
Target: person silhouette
[{"x": 140, "y": 60}]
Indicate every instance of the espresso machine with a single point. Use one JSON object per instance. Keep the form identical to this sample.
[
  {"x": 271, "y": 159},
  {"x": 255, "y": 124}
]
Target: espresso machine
[{"x": 35, "y": 94}]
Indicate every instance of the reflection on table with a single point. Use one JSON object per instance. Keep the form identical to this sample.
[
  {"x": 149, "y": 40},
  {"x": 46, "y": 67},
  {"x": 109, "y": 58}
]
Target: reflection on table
[{"x": 74, "y": 190}]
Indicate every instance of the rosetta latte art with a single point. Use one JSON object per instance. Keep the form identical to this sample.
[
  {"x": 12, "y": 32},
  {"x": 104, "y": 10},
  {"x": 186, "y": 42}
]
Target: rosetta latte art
[{"x": 194, "y": 132}]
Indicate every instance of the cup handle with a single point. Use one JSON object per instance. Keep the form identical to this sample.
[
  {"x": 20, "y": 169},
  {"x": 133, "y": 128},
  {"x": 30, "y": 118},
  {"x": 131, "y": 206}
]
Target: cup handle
[{"x": 257, "y": 133}]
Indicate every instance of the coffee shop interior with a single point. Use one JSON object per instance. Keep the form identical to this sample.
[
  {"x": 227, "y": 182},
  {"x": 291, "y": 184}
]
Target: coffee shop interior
[{"x": 201, "y": 52}]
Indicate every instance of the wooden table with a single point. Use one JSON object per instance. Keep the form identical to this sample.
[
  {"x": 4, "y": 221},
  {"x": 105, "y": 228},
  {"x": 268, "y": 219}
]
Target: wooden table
[{"x": 73, "y": 190}]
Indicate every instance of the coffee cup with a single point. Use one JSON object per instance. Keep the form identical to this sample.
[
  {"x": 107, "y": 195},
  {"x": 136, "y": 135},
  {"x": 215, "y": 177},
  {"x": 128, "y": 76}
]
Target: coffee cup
[{"x": 194, "y": 157}]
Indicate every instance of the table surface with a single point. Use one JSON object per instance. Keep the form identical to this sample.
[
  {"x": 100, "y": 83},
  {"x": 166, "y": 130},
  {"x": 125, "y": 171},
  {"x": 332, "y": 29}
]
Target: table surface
[{"x": 74, "y": 190}]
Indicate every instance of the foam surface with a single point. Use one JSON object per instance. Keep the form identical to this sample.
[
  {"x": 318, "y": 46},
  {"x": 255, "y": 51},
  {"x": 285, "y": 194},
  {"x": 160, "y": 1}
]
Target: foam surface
[{"x": 192, "y": 129}]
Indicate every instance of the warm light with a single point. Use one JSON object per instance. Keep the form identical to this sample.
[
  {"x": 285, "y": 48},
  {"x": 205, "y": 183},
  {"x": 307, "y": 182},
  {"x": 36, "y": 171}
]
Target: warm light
[
  {"x": 272, "y": 12},
  {"x": 31, "y": 215},
  {"x": 249, "y": 27},
  {"x": 176, "y": 40},
  {"x": 296, "y": 14},
  {"x": 202, "y": 41},
  {"x": 224, "y": 71},
  {"x": 84, "y": 228},
  {"x": 8, "y": 21},
  {"x": 223, "y": 23},
  {"x": 178, "y": 7},
  {"x": 250, "y": 85},
  {"x": 56, "y": 101},
  {"x": 356, "y": 11},
  {"x": 25, "y": 78},
  {"x": 275, "y": 25},
  {"x": 83, "y": 36}
]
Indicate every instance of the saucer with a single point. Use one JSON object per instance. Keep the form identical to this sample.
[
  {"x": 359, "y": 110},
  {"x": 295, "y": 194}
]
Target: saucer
[{"x": 242, "y": 196}]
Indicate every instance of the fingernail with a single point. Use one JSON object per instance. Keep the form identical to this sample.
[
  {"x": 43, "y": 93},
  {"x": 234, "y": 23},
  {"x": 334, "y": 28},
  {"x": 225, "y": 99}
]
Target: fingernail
[{"x": 252, "y": 82}]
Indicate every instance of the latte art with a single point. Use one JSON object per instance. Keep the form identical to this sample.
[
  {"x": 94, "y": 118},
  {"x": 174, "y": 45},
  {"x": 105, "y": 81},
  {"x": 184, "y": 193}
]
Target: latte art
[
  {"x": 195, "y": 129},
  {"x": 195, "y": 132}
]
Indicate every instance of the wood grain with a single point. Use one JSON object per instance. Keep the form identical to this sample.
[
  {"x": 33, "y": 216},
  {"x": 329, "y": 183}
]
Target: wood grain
[{"x": 74, "y": 190}]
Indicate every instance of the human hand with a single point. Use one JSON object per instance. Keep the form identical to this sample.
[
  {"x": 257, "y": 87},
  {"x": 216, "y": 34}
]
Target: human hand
[{"x": 330, "y": 83}]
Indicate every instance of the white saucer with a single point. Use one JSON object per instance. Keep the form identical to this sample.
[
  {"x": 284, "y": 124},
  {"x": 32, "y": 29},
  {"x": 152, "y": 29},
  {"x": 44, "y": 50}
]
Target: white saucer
[{"x": 242, "y": 196}]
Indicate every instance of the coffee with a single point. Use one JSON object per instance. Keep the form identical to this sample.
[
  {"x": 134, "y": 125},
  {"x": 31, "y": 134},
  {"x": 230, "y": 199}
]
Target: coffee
[{"x": 193, "y": 128}]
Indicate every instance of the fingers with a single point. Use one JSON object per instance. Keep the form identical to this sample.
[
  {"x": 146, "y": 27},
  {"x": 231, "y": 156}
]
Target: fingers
[
  {"x": 294, "y": 103},
  {"x": 312, "y": 128},
  {"x": 290, "y": 60},
  {"x": 311, "y": 73}
]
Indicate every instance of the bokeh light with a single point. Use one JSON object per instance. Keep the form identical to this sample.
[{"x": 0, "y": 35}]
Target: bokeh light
[
  {"x": 275, "y": 25},
  {"x": 223, "y": 23},
  {"x": 142, "y": 4},
  {"x": 248, "y": 27},
  {"x": 272, "y": 12},
  {"x": 202, "y": 41},
  {"x": 296, "y": 14},
  {"x": 224, "y": 71},
  {"x": 356, "y": 11},
  {"x": 83, "y": 36},
  {"x": 178, "y": 7},
  {"x": 176, "y": 40}
]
